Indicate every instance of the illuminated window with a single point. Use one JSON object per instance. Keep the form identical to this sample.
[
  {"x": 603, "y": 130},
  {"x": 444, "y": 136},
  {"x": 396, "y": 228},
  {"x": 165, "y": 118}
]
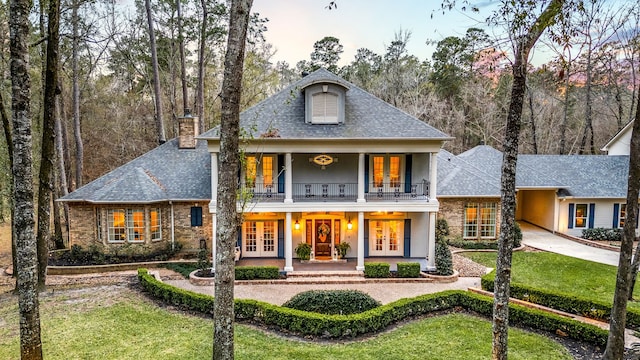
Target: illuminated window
[
  {"x": 135, "y": 225},
  {"x": 581, "y": 215},
  {"x": 267, "y": 170},
  {"x": 394, "y": 171},
  {"x": 116, "y": 225},
  {"x": 480, "y": 220},
  {"x": 252, "y": 171},
  {"x": 387, "y": 172},
  {"x": 378, "y": 171},
  {"x": 623, "y": 215},
  {"x": 155, "y": 223}
]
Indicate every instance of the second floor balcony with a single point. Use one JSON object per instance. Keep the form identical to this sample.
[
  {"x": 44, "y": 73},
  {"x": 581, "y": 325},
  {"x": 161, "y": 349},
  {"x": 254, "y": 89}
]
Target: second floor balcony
[{"x": 337, "y": 192}]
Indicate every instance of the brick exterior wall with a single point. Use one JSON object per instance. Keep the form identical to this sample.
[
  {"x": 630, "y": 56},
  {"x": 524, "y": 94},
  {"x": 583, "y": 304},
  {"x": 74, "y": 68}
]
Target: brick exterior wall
[
  {"x": 83, "y": 228},
  {"x": 452, "y": 210}
]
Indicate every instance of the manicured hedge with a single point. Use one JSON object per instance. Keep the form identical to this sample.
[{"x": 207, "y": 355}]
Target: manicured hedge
[
  {"x": 563, "y": 302},
  {"x": 339, "y": 302},
  {"x": 376, "y": 270},
  {"x": 408, "y": 269},
  {"x": 257, "y": 272},
  {"x": 600, "y": 234},
  {"x": 341, "y": 326},
  {"x": 473, "y": 244}
]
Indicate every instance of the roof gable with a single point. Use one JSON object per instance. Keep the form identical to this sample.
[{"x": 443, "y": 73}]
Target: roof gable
[{"x": 366, "y": 116}]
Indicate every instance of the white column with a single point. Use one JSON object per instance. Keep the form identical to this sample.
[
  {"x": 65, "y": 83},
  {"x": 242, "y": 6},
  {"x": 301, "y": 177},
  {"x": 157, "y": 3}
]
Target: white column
[
  {"x": 213, "y": 240},
  {"x": 288, "y": 176},
  {"x": 361, "y": 183},
  {"x": 360, "y": 264},
  {"x": 431, "y": 241},
  {"x": 433, "y": 175},
  {"x": 214, "y": 183},
  {"x": 288, "y": 243}
]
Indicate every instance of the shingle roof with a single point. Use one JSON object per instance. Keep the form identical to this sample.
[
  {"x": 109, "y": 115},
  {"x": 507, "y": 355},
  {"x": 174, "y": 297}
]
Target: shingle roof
[
  {"x": 457, "y": 177},
  {"x": 366, "y": 116},
  {"x": 583, "y": 176},
  {"x": 162, "y": 174}
]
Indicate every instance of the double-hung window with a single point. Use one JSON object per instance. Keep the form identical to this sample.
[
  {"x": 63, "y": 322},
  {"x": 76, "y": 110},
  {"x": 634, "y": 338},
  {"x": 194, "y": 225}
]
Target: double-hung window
[
  {"x": 155, "y": 224},
  {"x": 131, "y": 225},
  {"x": 480, "y": 220},
  {"x": 581, "y": 215}
]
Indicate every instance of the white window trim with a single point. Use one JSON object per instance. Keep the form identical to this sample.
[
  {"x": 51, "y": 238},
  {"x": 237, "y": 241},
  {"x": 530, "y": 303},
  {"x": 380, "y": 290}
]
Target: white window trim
[
  {"x": 159, "y": 232},
  {"x": 386, "y": 181},
  {"x": 478, "y": 220},
  {"x": 585, "y": 217}
]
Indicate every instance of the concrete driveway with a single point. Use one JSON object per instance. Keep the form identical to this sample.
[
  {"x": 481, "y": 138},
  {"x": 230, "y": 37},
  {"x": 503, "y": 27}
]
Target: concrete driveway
[{"x": 544, "y": 240}]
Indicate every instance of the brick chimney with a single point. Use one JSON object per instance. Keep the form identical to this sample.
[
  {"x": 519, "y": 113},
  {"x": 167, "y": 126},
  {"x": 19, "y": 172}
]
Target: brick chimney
[{"x": 187, "y": 130}]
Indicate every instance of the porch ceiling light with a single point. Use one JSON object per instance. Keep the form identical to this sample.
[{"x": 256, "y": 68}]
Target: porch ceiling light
[{"x": 323, "y": 160}]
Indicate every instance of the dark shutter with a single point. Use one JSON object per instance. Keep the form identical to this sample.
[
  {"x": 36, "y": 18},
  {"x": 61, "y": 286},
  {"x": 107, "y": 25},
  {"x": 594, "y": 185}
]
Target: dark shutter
[
  {"x": 196, "y": 216},
  {"x": 592, "y": 213},
  {"x": 280, "y": 239},
  {"x": 571, "y": 214},
  {"x": 366, "y": 173},
  {"x": 616, "y": 213},
  {"x": 407, "y": 238},
  {"x": 366, "y": 238},
  {"x": 239, "y": 241},
  {"x": 407, "y": 173},
  {"x": 281, "y": 173}
]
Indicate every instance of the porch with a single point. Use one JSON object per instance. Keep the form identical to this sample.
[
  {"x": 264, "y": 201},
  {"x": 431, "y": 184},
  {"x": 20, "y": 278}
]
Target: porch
[{"x": 329, "y": 265}]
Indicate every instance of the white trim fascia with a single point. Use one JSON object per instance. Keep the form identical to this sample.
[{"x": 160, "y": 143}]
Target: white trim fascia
[
  {"x": 617, "y": 136},
  {"x": 431, "y": 206}
]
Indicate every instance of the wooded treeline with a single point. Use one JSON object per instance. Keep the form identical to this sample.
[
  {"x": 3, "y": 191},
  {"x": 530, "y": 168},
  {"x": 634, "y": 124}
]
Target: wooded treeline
[{"x": 106, "y": 96}]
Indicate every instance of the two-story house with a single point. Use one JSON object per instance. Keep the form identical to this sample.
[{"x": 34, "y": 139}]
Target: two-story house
[{"x": 324, "y": 162}]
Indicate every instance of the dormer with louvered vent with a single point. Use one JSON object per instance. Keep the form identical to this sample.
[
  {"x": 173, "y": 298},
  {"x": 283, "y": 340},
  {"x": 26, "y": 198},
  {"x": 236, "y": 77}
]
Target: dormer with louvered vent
[{"x": 324, "y": 103}]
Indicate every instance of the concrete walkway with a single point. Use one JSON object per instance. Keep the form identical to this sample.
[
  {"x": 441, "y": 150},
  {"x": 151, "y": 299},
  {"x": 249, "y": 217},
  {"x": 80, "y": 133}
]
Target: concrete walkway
[
  {"x": 278, "y": 294},
  {"x": 544, "y": 240}
]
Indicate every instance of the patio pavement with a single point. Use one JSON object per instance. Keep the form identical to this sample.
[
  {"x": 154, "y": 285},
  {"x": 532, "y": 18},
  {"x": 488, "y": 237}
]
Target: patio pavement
[{"x": 545, "y": 240}]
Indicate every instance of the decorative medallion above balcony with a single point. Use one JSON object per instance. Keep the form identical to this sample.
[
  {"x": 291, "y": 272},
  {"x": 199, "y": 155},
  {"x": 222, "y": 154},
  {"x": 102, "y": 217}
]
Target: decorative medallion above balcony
[{"x": 323, "y": 160}]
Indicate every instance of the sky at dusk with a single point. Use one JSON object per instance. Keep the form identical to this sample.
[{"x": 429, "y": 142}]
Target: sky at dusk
[{"x": 294, "y": 25}]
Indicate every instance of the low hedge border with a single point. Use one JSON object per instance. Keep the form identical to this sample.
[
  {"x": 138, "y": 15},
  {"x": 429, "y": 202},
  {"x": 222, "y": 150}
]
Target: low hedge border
[
  {"x": 408, "y": 269},
  {"x": 257, "y": 272},
  {"x": 571, "y": 304},
  {"x": 377, "y": 270},
  {"x": 311, "y": 324}
]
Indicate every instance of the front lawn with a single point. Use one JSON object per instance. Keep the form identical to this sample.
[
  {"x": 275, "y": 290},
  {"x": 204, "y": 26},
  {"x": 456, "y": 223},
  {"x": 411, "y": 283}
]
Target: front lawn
[
  {"x": 554, "y": 272},
  {"x": 118, "y": 323}
]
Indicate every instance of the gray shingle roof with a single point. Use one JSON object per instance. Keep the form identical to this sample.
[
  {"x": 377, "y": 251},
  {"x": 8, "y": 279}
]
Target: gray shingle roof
[
  {"x": 584, "y": 176},
  {"x": 366, "y": 116},
  {"x": 477, "y": 172},
  {"x": 457, "y": 177},
  {"x": 164, "y": 173}
]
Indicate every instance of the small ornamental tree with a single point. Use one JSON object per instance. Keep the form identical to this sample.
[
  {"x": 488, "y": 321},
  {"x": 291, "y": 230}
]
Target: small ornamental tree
[{"x": 444, "y": 264}]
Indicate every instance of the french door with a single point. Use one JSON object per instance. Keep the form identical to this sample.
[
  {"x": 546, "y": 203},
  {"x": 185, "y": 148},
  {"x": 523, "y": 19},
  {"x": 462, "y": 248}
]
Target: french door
[
  {"x": 385, "y": 237},
  {"x": 260, "y": 239},
  {"x": 387, "y": 173}
]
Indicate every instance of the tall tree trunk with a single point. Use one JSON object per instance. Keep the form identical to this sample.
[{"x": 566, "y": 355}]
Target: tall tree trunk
[
  {"x": 624, "y": 287},
  {"x": 229, "y": 164},
  {"x": 156, "y": 75},
  {"x": 62, "y": 171},
  {"x": 565, "y": 115},
  {"x": 183, "y": 71},
  {"x": 77, "y": 133},
  {"x": 27, "y": 263},
  {"x": 508, "y": 182},
  {"x": 587, "y": 132},
  {"x": 534, "y": 140},
  {"x": 8, "y": 140},
  {"x": 48, "y": 140},
  {"x": 199, "y": 100}
]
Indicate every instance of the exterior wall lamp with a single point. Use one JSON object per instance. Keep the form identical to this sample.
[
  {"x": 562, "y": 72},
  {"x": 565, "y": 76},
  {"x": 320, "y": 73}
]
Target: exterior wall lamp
[
  {"x": 296, "y": 225},
  {"x": 349, "y": 225}
]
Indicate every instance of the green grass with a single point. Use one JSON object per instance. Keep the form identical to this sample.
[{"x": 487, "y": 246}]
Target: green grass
[
  {"x": 128, "y": 326},
  {"x": 183, "y": 269},
  {"x": 561, "y": 273}
]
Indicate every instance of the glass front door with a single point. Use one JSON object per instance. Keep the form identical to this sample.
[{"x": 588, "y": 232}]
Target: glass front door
[
  {"x": 385, "y": 237},
  {"x": 260, "y": 239}
]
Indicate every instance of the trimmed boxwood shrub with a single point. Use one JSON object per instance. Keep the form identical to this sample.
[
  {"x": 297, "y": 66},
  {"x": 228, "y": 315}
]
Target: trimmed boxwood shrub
[
  {"x": 408, "y": 269},
  {"x": 376, "y": 270},
  {"x": 563, "y": 302},
  {"x": 473, "y": 244},
  {"x": 306, "y": 323},
  {"x": 600, "y": 234},
  {"x": 444, "y": 263},
  {"x": 257, "y": 272},
  {"x": 341, "y": 302}
]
